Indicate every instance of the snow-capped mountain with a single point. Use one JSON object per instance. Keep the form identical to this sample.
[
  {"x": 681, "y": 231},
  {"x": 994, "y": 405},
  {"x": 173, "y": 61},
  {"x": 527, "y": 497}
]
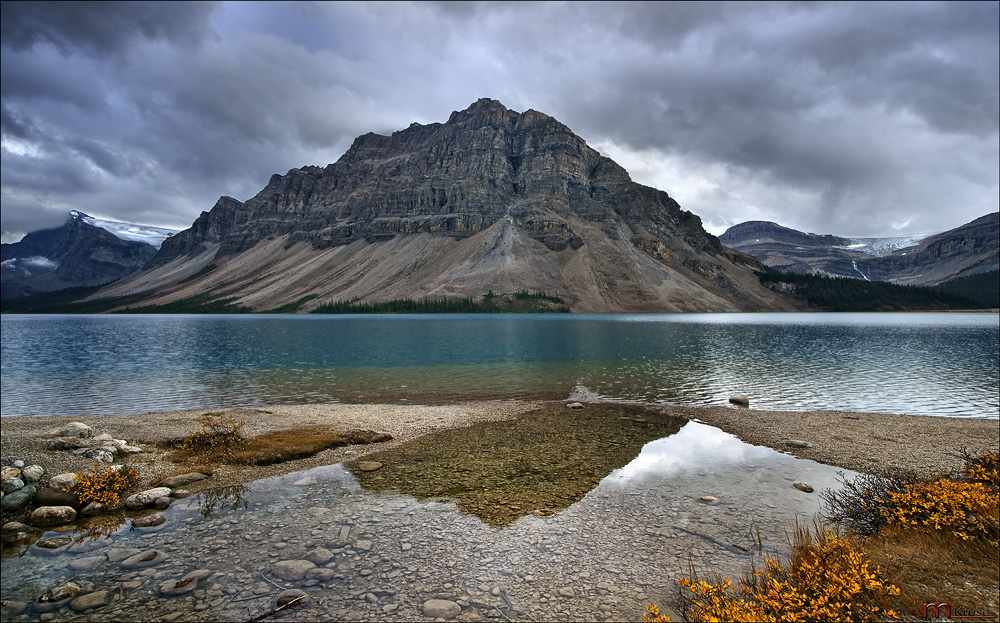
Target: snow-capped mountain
[{"x": 129, "y": 231}]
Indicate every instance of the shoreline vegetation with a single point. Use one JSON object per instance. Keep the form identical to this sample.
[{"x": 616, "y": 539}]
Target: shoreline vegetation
[{"x": 817, "y": 292}]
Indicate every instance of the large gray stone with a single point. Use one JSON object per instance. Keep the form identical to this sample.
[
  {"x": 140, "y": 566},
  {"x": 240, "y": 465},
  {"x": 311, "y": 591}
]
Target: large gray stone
[
  {"x": 319, "y": 556},
  {"x": 441, "y": 609},
  {"x": 65, "y": 480},
  {"x": 11, "y": 484},
  {"x": 17, "y": 499},
  {"x": 292, "y": 570},
  {"x": 73, "y": 429},
  {"x": 46, "y": 516},
  {"x": 146, "y": 498},
  {"x": 33, "y": 473},
  {"x": 90, "y": 601}
]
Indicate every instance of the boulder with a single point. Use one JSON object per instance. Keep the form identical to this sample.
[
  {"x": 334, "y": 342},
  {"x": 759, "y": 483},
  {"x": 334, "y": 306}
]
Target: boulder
[
  {"x": 17, "y": 499},
  {"x": 65, "y": 480},
  {"x": 73, "y": 429},
  {"x": 46, "y": 516},
  {"x": 56, "y": 497},
  {"x": 292, "y": 570},
  {"x": 90, "y": 601},
  {"x": 741, "y": 401},
  {"x": 33, "y": 473},
  {"x": 146, "y": 498},
  {"x": 11, "y": 485},
  {"x": 162, "y": 503},
  {"x": 61, "y": 592},
  {"x": 441, "y": 609},
  {"x": 149, "y": 521},
  {"x": 144, "y": 559}
]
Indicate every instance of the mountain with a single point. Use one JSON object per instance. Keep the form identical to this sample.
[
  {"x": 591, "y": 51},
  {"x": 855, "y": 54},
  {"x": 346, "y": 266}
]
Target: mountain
[
  {"x": 84, "y": 251},
  {"x": 968, "y": 250},
  {"x": 491, "y": 200}
]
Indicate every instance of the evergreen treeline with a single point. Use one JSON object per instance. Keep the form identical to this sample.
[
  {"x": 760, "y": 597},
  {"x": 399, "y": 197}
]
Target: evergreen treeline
[
  {"x": 66, "y": 301},
  {"x": 984, "y": 288},
  {"x": 198, "y": 304},
  {"x": 845, "y": 294},
  {"x": 523, "y": 302}
]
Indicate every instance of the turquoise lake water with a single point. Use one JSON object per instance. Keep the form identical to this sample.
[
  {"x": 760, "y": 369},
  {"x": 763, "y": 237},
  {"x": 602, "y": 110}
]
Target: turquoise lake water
[{"x": 923, "y": 363}]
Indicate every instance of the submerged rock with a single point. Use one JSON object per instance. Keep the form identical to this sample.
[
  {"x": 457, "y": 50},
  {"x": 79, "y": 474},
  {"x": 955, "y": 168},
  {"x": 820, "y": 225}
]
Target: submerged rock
[
  {"x": 89, "y": 601},
  {"x": 148, "y": 558},
  {"x": 369, "y": 466},
  {"x": 803, "y": 486},
  {"x": 441, "y": 609},
  {"x": 61, "y": 592},
  {"x": 291, "y": 570}
]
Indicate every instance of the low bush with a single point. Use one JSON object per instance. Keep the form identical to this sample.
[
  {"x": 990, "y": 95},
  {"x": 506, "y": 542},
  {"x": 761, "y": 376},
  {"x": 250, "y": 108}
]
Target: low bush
[
  {"x": 106, "y": 484},
  {"x": 216, "y": 438},
  {"x": 828, "y": 578}
]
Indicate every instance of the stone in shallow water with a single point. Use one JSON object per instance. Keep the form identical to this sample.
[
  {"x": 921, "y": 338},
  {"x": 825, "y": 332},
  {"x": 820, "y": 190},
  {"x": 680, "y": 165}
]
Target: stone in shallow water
[
  {"x": 291, "y": 570},
  {"x": 91, "y": 600},
  {"x": 145, "y": 559},
  {"x": 303, "y": 482},
  {"x": 369, "y": 466},
  {"x": 55, "y": 542},
  {"x": 803, "y": 486},
  {"x": 61, "y": 592},
  {"x": 286, "y": 597},
  {"x": 319, "y": 556},
  {"x": 87, "y": 562},
  {"x": 741, "y": 401},
  {"x": 441, "y": 609},
  {"x": 146, "y": 498},
  {"x": 149, "y": 521}
]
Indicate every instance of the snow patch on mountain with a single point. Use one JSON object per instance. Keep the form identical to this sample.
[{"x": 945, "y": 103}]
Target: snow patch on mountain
[{"x": 129, "y": 231}]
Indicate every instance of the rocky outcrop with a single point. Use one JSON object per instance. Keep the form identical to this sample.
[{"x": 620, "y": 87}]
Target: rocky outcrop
[
  {"x": 492, "y": 199},
  {"x": 74, "y": 255}
]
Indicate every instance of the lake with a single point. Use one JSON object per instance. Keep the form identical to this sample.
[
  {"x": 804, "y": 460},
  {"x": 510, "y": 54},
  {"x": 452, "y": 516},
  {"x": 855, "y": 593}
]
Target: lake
[{"x": 922, "y": 363}]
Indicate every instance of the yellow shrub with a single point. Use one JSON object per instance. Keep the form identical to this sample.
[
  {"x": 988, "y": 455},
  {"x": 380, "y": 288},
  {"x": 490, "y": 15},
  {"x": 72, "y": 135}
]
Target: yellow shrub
[
  {"x": 968, "y": 510},
  {"x": 652, "y": 615},
  {"x": 982, "y": 468},
  {"x": 828, "y": 579},
  {"x": 105, "y": 484}
]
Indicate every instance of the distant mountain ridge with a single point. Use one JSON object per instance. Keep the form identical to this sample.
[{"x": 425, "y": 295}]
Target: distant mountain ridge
[
  {"x": 84, "y": 251},
  {"x": 971, "y": 249},
  {"x": 491, "y": 200}
]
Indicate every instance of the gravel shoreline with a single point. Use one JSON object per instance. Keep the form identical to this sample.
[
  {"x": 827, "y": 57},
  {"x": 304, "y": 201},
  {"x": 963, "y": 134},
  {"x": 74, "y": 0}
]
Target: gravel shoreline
[{"x": 863, "y": 442}]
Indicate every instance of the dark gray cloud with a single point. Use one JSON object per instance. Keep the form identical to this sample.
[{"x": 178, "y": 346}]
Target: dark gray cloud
[{"x": 849, "y": 118}]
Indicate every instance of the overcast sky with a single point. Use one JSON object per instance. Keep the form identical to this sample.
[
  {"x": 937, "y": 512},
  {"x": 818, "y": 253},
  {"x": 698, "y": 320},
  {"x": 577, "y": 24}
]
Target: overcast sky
[{"x": 853, "y": 119}]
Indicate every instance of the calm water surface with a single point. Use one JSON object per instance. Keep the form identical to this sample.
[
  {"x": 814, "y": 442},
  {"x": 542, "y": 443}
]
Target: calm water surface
[{"x": 926, "y": 363}]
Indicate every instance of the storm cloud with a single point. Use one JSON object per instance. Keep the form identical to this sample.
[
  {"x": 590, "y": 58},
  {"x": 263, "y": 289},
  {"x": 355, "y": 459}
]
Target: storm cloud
[{"x": 853, "y": 119}]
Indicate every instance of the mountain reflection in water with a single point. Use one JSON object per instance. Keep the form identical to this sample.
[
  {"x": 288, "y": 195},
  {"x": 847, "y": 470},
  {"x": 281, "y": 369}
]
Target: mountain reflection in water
[{"x": 545, "y": 460}]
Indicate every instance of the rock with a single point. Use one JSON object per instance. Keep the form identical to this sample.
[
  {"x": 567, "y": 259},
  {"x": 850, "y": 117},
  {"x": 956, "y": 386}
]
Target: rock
[
  {"x": 292, "y": 570},
  {"x": 103, "y": 437},
  {"x": 319, "y": 556},
  {"x": 17, "y": 499},
  {"x": 89, "y": 601},
  {"x": 9, "y": 472},
  {"x": 86, "y": 562},
  {"x": 364, "y": 545},
  {"x": 68, "y": 443},
  {"x": 179, "y": 494},
  {"x": 149, "y": 521},
  {"x": 369, "y": 466},
  {"x": 92, "y": 509},
  {"x": 146, "y": 498},
  {"x": 796, "y": 443},
  {"x": 566, "y": 591},
  {"x": 11, "y": 485},
  {"x": 131, "y": 449},
  {"x": 56, "y": 497},
  {"x": 54, "y": 542},
  {"x": 574, "y": 405},
  {"x": 46, "y": 516},
  {"x": 18, "y": 463},
  {"x": 144, "y": 559},
  {"x": 100, "y": 454},
  {"x": 441, "y": 609},
  {"x": 303, "y": 482},
  {"x": 186, "y": 584},
  {"x": 286, "y": 597},
  {"x": 12, "y": 527},
  {"x": 65, "y": 480},
  {"x": 73, "y": 429},
  {"x": 742, "y": 401},
  {"x": 10, "y": 609},
  {"x": 803, "y": 486},
  {"x": 172, "y": 482},
  {"x": 162, "y": 503},
  {"x": 321, "y": 574},
  {"x": 709, "y": 498},
  {"x": 116, "y": 555},
  {"x": 61, "y": 592},
  {"x": 33, "y": 473}
]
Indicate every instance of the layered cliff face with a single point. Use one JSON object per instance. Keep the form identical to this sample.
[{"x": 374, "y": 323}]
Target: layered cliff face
[
  {"x": 967, "y": 250},
  {"x": 491, "y": 200},
  {"x": 76, "y": 254}
]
